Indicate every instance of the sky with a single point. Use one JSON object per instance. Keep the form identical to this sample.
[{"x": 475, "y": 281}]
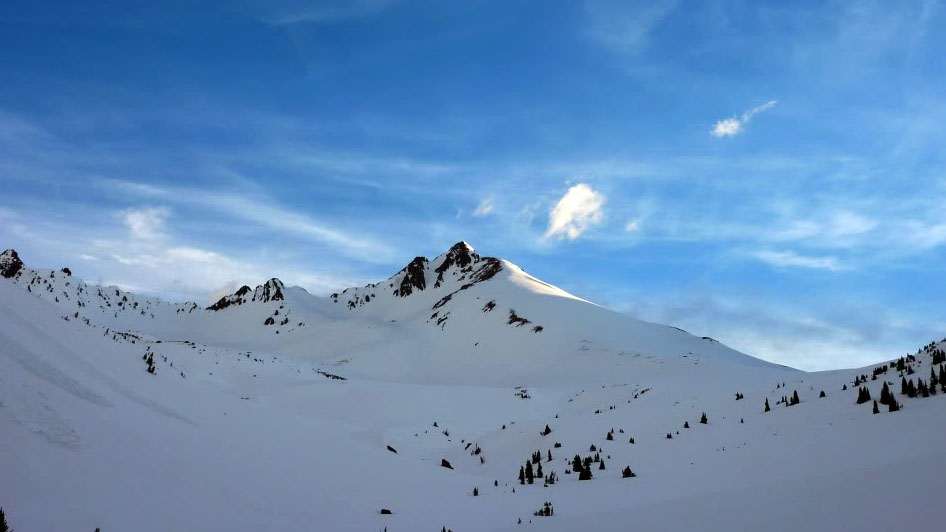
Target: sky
[{"x": 771, "y": 174}]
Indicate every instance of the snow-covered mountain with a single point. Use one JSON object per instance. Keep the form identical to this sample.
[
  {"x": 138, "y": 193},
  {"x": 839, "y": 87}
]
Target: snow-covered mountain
[{"x": 274, "y": 408}]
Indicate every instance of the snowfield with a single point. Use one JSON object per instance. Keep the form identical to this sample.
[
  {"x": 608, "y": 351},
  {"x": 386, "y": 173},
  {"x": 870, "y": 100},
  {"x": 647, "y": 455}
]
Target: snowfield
[{"x": 275, "y": 409}]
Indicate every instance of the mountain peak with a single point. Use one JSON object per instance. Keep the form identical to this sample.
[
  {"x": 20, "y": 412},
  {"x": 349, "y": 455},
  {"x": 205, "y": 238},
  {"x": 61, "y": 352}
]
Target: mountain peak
[
  {"x": 271, "y": 290},
  {"x": 10, "y": 263}
]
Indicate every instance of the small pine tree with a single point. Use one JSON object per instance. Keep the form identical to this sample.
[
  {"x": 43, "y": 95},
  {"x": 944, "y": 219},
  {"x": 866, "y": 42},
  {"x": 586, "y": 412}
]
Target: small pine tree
[
  {"x": 686, "y": 424},
  {"x": 585, "y": 474},
  {"x": 893, "y": 406},
  {"x": 538, "y": 471},
  {"x": 703, "y": 418},
  {"x": 522, "y": 475},
  {"x": 821, "y": 394},
  {"x": 863, "y": 395},
  {"x": 767, "y": 404},
  {"x": 4, "y": 527},
  {"x": 476, "y": 492},
  {"x": 601, "y": 465},
  {"x": 795, "y": 399},
  {"x": 627, "y": 473},
  {"x": 876, "y": 409},
  {"x": 885, "y": 395},
  {"x": 530, "y": 476}
]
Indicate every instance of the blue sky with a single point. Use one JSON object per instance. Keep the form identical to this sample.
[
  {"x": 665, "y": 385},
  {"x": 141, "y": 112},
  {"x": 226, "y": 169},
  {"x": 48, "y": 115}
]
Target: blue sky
[{"x": 767, "y": 173}]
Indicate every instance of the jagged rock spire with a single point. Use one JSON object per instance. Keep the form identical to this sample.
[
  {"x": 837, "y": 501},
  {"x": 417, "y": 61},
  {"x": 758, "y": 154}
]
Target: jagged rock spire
[{"x": 10, "y": 263}]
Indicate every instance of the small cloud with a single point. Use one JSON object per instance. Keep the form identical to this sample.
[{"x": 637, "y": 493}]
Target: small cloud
[
  {"x": 730, "y": 127},
  {"x": 228, "y": 288},
  {"x": 146, "y": 223},
  {"x": 578, "y": 210},
  {"x": 485, "y": 207},
  {"x": 633, "y": 226},
  {"x": 792, "y": 259}
]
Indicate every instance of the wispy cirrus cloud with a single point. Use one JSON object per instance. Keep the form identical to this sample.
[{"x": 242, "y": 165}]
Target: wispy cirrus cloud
[
  {"x": 625, "y": 26},
  {"x": 485, "y": 207},
  {"x": 792, "y": 259},
  {"x": 285, "y": 12},
  {"x": 734, "y": 125},
  {"x": 256, "y": 208}
]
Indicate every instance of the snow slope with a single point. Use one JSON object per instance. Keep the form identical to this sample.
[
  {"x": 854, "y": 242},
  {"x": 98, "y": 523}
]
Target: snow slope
[{"x": 274, "y": 409}]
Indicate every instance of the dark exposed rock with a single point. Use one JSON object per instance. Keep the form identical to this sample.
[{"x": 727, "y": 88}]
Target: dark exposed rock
[
  {"x": 236, "y": 298},
  {"x": 272, "y": 290},
  {"x": 413, "y": 277},
  {"x": 445, "y": 463},
  {"x": 487, "y": 271},
  {"x": 460, "y": 255},
  {"x": 385, "y": 511},
  {"x": 10, "y": 263},
  {"x": 516, "y": 319},
  {"x": 66, "y": 271},
  {"x": 392, "y": 449}
]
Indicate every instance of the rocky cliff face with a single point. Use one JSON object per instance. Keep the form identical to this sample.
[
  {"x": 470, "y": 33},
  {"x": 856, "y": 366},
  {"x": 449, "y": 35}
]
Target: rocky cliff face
[{"x": 10, "y": 263}]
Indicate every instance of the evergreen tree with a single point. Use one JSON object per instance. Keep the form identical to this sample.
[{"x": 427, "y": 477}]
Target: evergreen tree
[
  {"x": 585, "y": 474},
  {"x": 904, "y": 388},
  {"x": 893, "y": 405},
  {"x": 530, "y": 476},
  {"x": 767, "y": 404},
  {"x": 821, "y": 394},
  {"x": 885, "y": 394},
  {"x": 863, "y": 395},
  {"x": 4, "y": 527},
  {"x": 522, "y": 475},
  {"x": 686, "y": 424},
  {"x": 795, "y": 399},
  {"x": 476, "y": 492},
  {"x": 627, "y": 473},
  {"x": 538, "y": 471},
  {"x": 876, "y": 409},
  {"x": 703, "y": 418}
]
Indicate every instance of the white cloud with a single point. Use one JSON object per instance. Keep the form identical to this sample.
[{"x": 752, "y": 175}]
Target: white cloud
[
  {"x": 633, "y": 226},
  {"x": 146, "y": 223},
  {"x": 579, "y": 209},
  {"x": 485, "y": 207},
  {"x": 732, "y": 126},
  {"x": 792, "y": 259}
]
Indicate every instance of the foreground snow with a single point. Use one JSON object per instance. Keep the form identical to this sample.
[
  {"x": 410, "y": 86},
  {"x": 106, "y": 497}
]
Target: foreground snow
[{"x": 243, "y": 427}]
